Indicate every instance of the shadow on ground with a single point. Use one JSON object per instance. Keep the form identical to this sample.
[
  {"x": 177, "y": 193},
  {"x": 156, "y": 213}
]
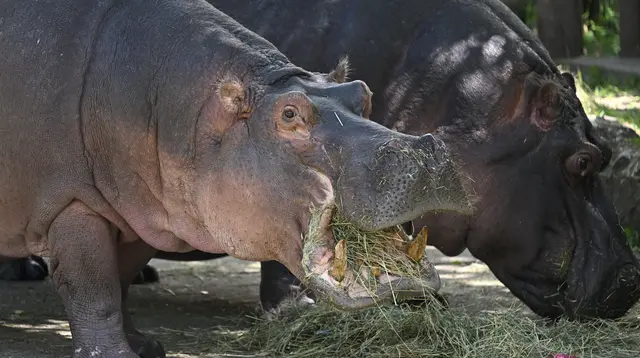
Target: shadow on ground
[{"x": 196, "y": 304}]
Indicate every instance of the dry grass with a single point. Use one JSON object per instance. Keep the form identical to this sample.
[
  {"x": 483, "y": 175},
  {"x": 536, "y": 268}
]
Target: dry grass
[
  {"x": 368, "y": 253},
  {"x": 432, "y": 331}
]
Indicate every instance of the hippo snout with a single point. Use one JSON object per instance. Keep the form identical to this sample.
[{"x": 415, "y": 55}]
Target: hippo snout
[
  {"x": 611, "y": 301},
  {"x": 417, "y": 178}
]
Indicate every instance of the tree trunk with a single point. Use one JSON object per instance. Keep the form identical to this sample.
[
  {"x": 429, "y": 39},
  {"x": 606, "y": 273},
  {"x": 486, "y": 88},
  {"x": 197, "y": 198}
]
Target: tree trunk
[
  {"x": 629, "y": 28},
  {"x": 593, "y": 8},
  {"x": 560, "y": 27}
]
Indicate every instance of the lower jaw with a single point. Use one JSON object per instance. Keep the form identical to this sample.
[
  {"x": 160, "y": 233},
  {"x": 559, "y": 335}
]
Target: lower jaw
[{"x": 400, "y": 289}]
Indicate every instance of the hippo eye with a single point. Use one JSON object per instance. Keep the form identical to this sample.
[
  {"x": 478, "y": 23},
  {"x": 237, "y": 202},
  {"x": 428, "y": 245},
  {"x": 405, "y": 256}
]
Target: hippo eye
[
  {"x": 583, "y": 164},
  {"x": 580, "y": 164},
  {"x": 289, "y": 113}
]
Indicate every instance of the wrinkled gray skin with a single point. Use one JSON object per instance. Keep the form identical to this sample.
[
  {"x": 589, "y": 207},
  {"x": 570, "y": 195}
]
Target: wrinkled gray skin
[
  {"x": 472, "y": 72},
  {"x": 128, "y": 127},
  {"x": 543, "y": 225}
]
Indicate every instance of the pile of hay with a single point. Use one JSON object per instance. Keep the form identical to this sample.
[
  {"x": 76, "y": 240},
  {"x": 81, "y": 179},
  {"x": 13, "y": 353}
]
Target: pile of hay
[
  {"x": 429, "y": 331},
  {"x": 404, "y": 331}
]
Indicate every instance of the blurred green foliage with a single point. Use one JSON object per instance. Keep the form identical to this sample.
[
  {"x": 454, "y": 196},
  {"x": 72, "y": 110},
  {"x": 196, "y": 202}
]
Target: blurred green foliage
[
  {"x": 633, "y": 237},
  {"x": 602, "y": 34}
]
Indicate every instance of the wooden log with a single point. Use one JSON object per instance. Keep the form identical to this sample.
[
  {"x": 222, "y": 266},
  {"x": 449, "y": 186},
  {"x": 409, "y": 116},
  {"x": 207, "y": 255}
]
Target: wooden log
[{"x": 560, "y": 27}]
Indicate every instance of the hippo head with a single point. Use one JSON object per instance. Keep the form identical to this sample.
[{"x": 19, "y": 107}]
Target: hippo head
[
  {"x": 543, "y": 223},
  {"x": 299, "y": 143}
]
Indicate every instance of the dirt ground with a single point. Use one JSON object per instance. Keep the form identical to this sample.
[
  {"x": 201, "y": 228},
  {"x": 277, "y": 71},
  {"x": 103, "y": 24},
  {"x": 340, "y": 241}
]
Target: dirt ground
[{"x": 196, "y": 301}]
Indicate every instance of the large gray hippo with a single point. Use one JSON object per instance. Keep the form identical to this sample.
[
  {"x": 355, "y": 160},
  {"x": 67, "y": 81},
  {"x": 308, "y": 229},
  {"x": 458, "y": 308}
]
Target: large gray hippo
[
  {"x": 471, "y": 71},
  {"x": 134, "y": 126},
  {"x": 474, "y": 72}
]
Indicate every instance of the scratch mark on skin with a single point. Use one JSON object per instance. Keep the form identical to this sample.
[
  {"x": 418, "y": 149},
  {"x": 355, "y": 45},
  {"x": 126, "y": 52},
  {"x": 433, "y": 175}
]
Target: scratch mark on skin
[{"x": 339, "y": 121}]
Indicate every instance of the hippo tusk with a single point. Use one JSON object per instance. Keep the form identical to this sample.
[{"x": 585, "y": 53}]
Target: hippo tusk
[
  {"x": 415, "y": 249},
  {"x": 339, "y": 267}
]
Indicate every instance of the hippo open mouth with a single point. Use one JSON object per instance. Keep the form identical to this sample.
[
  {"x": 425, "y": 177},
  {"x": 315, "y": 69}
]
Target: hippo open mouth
[{"x": 393, "y": 267}]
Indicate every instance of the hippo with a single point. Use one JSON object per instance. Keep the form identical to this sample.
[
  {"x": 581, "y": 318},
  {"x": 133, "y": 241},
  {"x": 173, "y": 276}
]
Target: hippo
[
  {"x": 131, "y": 127},
  {"x": 543, "y": 223}
]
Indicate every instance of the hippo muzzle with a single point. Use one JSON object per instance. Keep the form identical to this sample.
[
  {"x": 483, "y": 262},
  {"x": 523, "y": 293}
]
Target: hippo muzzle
[{"x": 405, "y": 177}]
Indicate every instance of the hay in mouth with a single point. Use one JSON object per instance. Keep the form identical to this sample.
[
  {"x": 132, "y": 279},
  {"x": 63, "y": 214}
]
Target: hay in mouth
[{"x": 368, "y": 258}]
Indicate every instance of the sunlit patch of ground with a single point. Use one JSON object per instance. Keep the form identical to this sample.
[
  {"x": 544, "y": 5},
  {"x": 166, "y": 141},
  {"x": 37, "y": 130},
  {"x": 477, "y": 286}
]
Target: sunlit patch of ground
[
  {"x": 205, "y": 309},
  {"x": 605, "y": 99},
  {"x": 195, "y": 304}
]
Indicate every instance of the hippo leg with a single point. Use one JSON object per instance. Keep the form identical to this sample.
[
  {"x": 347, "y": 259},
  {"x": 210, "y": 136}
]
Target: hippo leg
[
  {"x": 132, "y": 261},
  {"x": 25, "y": 269},
  {"x": 278, "y": 283},
  {"x": 85, "y": 271},
  {"x": 148, "y": 274}
]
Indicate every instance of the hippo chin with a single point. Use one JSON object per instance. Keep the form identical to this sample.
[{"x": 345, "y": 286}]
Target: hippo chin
[{"x": 131, "y": 127}]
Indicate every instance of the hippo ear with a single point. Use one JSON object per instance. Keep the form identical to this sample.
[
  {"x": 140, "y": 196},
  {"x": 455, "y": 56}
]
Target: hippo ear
[
  {"x": 340, "y": 73},
  {"x": 568, "y": 77},
  {"x": 233, "y": 98},
  {"x": 544, "y": 100}
]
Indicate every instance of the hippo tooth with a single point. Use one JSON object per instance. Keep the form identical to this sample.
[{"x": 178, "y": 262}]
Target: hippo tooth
[
  {"x": 403, "y": 235},
  {"x": 339, "y": 267},
  {"x": 364, "y": 272},
  {"x": 415, "y": 250}
]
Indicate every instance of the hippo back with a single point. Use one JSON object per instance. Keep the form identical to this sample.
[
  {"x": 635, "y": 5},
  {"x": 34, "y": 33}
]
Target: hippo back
[{"x": 385, "y": 45}]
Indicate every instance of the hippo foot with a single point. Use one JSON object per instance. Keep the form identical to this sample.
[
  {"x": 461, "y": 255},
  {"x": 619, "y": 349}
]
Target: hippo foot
[
  {"x": 278, "y": 284},
  {"x": 120, "y": 352},
  {"x": 147, "y": 275},
  {"x": 145, "y": 347},
  {"x": 275, "y": 311},
  {"x": 273, "y": 300},
  {"x": 26, "y": 269}
]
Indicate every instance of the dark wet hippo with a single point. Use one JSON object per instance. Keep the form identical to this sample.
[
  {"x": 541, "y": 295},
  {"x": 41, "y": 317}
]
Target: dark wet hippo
[
  {"x": 474, "y": 72},
  {"x": 544, "y": 225},
  {"x": 134, "y": 126}
]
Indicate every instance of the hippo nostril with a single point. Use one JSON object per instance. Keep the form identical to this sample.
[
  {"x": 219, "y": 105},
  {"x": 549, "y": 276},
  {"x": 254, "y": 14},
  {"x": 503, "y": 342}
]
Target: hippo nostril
[
  {"x": 428, "y": 141},
  {"x": 435, "y": 147}
]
